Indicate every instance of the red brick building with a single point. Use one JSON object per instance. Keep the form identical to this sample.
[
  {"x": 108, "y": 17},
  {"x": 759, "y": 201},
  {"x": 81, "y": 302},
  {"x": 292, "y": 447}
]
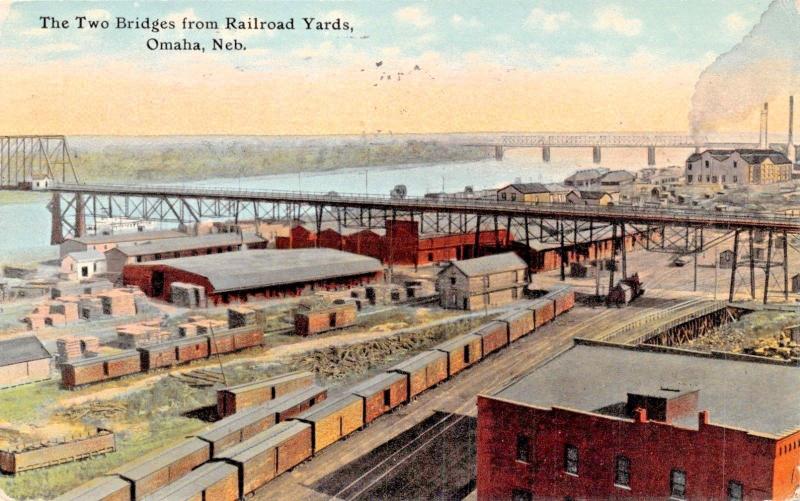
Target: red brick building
[
  {"x": 253, "y": 274},
  {"x": 612, "y": 422}
]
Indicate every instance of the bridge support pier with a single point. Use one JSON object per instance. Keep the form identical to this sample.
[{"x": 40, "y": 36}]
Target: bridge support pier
[
  {"x": 732, "y": 288},
  {"x": 80, "y": 216},
  {"x": 597, "y": 156},
  {"x": 546, "y": 154},
  {"x": 767, "y": 268},
  {"x": 56, "y": 226},
  {"x": 785, "y": 266},
  {"x": 651, "y": 155},
  {"x": 498, "y": 153}
]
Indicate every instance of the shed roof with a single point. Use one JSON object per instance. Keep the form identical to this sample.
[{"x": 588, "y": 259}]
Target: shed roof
[
  {"x": 617, "y": 176},
  {"x": 377, "y": 383},
  {"x": 487, "y": 265},
  {"x": 591, "y": 378},
  {"x": 22, "y": 349},
  {"x": 189, "y": 486},
  {"x": 187, "y": 243},
  {"x": 586, "y": 175},
  {"x": 135, "y": 236},
  {"x": 253, "y": 269},
  {"x": 87, "y": 255}
]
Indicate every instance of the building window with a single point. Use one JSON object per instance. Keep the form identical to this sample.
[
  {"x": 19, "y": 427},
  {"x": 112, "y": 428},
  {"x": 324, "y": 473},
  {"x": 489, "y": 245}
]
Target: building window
[
  {"x": 452, "y": 280},
  {"x": 571, "y": 459},
  {"x": 503, "y": 196},
  {"x": 706, "y": 164},
  {"x": 521, "y": 495},
  {"x": 523, "y": 449},
  {"x": 735, "y": 164},
  {"x": 689, "y": 178},
  {"x": 677, "y": 484},
  {"x": 714, "y": 179},
  {"x": 735, "y": 179},
  {"x": 723, "y": 179},
  {"x": 430, "y": 256},
  {"x": 622, "y": 474},
  {"x": 513, "y": 197},
  {"x": 735, "y": 491},
  {"x": 689, "y": 167}
]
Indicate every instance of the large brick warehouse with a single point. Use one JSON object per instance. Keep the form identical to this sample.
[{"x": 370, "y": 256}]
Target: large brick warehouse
[
  {"x": 252, "y": 274},
  {"x": 604, "y": 421}
]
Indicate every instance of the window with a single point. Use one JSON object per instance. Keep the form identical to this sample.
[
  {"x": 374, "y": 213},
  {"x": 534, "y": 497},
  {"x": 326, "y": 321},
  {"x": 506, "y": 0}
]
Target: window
[
  {"x": 138, "y": 259},
  {"x": 735, "y": 179},
  {"x": 714, "y": 179},
  {"x": 677, "y": 484},
  {"x": 622, "y": 473},
  {"x": 689, "y": 167},
  {"x": 521, "y": 495},
  {"x": 571, "y": 459},
  {"x": 523, "y": 449},
  {"x": 706, "y": 164},
  {"x": 735, "y": 491},
  {"x": 387, "y": 397},
  {"x": 513, "y": 197},
  {"x": 503, "y": 196},
  {"x": 430, "y": 256},
  {"x": 723, "y": 179},
  {"x": 689, "y": 178},
  {"x": 452, "y": 280},
  {"x": 735, "y": 164},
  {"x": 158, "y": 256}
]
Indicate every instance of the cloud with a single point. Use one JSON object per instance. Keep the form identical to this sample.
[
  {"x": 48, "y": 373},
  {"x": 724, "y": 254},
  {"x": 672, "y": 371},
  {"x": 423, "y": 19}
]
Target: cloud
[
  {"x": 97, "y": 14},
  {"x": 415, "y": 16},
  {"x": 5, "y": 8},
  {"x": 547, "y": 21},
  {"x": 735, "y": 23},
  {"x": 460, "y": 22},
  {"x": 611, "y": 18}
]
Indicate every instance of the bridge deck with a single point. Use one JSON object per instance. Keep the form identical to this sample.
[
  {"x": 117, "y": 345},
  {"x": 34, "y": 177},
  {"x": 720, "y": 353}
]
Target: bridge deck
[{"x": 626, "y": 214}]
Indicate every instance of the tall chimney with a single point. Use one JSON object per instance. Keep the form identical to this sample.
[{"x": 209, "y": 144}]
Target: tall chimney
[
  {"x": 763, "y": 136},
  {"x": 790, "y": 153}
]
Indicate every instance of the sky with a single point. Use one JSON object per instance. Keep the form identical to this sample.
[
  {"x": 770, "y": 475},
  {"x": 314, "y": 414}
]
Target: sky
[{"x": 440, "y": 66}]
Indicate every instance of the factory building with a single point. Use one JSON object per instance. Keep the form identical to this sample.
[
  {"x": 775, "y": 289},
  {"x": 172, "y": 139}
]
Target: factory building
[
  {"x": 482, "y": 282},
  {"x": 255, "y": 274},
  {"x": 156, "y": 250},
  {"x": 738, "y": 167},
  {"x": 606, "y": 421},
  {"x": 103, "y": 243},
  {"x": 585, "y": 178},
  {"x": 537, "y": 193},
  {"x": 23, "y": 360}
]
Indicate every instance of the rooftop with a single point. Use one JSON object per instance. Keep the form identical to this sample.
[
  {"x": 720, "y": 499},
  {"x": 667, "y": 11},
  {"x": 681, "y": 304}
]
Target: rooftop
[
  {"x": 592, "y": 377},
  {"x": 272, "y": 437},
  {"x": 252, "y": 269},
  {"x": 141, "y": 248},
  {"x": 136, "y": 236},
  {"x": 190, "y": 485},
  {"x": 87, "y": 255},
  {"x": 375, "y": 384},
  {"x": 21, "y": 349},
  {"x": 497, "y": 263},
  {"x": 750, "y": 155}
]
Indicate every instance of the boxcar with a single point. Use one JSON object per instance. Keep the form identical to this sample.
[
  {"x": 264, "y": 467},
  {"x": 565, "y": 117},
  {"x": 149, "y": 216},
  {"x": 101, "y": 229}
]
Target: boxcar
[
  {"x": 520, "y": 323},
  {"x": 270, "y": 453},
  {"x": 235, "y": 398},
  {"x": 160, "y": 355},
  {"x": 247, "y": 337},
  {"x": 543, "y": 311},
  {"x": 423, "y": 371},
  {"x": 221, "y": 342},
  {"x": 462, "y": 351},
  {"x": 215, "y": 481},
  {"x": 150, "y": 473},
  {"x": 563, "y": 299},
  {"x": 494, "y": 336},
  {"x": 111, "y": 488},
  {"x": 92, "y": 370},
  {"x": 289, "y": 406},
  {"x": 190, "y": 349},
  {"x": 381, "y": 394},
  {"x": 237, "y": 428},
  {"x": 334, "y": 419}
]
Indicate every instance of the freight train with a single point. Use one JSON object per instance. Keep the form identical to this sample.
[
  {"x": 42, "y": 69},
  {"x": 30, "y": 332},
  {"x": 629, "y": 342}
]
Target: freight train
[
  {"x": 246, "y": 450},
  {"x": 166, "y": 354}
]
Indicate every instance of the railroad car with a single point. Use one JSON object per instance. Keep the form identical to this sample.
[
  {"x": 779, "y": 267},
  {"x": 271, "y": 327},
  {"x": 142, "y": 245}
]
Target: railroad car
[
  {"x": 563, "y": 299},
  {"x": 188, "y": 349},
  {"x": 270, "y": 453},
  {"x": 150, "y": 473},
  {"x": 237, "y": 428},
  {"x": 109, "y": 488},
  {"x": 221, "y": 342},
  {"x": 159, "y": 355},
  {"x": 543, "y": 311},
  {"x": 625, "y": 291},
  {"x": 462, "y": 351},
  {"x": 334, "y": 419},
  {"x": 381, "y": 394},
  {"x": 236, "y": 398},
  {"x": 494, "y": 336},
  {"x": 247, "y": 337},
  {"x": 289, "y": 406},
  {"x": 215, "y": 481},
  {"x": 423, "y": 371},
  {"x": 96, "y": 369},
  {"x": 519, "y": 323}
]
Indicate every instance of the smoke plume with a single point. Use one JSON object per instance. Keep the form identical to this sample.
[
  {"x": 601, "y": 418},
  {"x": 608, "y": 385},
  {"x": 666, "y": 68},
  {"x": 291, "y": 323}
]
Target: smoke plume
[{"x": 764, "y": 66}]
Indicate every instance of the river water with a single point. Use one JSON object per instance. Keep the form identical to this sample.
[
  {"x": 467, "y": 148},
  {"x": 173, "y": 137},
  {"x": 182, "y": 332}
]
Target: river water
[{"x": 25, "y": 227}]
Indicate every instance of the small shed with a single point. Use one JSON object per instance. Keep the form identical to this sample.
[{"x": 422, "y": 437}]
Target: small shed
[
  {"x": 41, "y": 182},
  {"x": 23, "y": 360},
  {"x": 82, "y": 265}
]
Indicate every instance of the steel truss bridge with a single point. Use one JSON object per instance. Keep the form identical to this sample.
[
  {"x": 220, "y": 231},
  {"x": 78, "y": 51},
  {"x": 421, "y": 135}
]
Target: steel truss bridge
[
  {"x": 561, "y": 226},
  {"x": 24, "y": 158}
]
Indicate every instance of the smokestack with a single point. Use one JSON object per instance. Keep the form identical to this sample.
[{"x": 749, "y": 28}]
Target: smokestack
[
  {"x": 790, "y": 143},
  {"x": 763, "y": 136}
]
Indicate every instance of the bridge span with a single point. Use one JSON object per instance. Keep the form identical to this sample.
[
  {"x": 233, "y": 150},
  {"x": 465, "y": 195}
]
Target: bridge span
[{"x": 680, "y": 231}]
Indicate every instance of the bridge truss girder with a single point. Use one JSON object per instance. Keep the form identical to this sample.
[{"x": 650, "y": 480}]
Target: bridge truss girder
[{"x": 22, "y": 158}]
